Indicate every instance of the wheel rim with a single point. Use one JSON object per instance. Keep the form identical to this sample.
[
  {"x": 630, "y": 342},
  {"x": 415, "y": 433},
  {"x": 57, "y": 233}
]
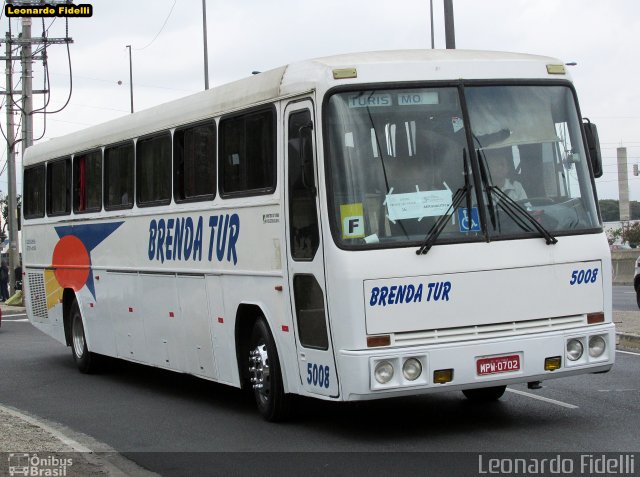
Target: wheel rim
[
  {"x": 260, "y": 372},
  {"x": 77, "y": 332}
]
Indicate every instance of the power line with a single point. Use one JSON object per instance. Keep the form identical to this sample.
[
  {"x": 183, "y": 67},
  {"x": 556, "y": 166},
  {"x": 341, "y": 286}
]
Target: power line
[{"x": 161, "y": 28}]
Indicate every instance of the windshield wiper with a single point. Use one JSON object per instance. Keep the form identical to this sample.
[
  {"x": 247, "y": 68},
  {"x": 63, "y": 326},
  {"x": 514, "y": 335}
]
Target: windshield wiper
[
  {"x": 514, "y": 210},
  {"x": 462, "y": 193}
]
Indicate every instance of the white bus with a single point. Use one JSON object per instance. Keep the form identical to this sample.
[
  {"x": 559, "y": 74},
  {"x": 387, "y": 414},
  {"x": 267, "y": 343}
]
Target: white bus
[{"x": 354, "y": 227}]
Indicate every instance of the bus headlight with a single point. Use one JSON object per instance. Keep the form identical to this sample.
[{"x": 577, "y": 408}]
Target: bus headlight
[
  {"x": 412, "y": 369},
  {"x": 574, "y": 349},
  {"x": 383, "y": 372},
  {"x": 597, "y": 345}
]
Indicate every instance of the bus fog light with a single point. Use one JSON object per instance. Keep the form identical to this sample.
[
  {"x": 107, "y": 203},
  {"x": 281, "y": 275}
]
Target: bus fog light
[
  {"x": 597, "y": 345},
  {"x": 412, "y": 369},
  {"x": 443, "y": 376},
  {"x": 574, "y": 349},
  {"x": 384, "y": 372},
  {"x": 553, "y": 363}
]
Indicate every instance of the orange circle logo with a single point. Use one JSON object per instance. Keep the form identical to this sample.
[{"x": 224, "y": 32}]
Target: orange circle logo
[{"x": 71, "y": 262}]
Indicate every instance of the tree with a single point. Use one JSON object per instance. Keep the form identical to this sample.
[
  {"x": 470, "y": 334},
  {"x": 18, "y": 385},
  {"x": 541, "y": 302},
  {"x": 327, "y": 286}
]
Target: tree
[
  {"x": 631, "y": 234},
  {"x": 5, "y": 216},
  {"x": 610, "y": 210},
  {"x": 613, "y": 235},
  {"x": 634, "y": 207}
]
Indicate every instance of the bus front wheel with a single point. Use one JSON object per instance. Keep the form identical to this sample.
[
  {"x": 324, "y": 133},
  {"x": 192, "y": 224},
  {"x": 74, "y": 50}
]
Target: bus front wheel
[
  {"x": 85, "y": 360},
  {"x": 484, "y": 394},
  {"x": 265, "y": 374}
]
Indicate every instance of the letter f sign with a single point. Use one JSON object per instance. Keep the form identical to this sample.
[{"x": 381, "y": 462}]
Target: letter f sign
[{"x": 353, "y": 227}]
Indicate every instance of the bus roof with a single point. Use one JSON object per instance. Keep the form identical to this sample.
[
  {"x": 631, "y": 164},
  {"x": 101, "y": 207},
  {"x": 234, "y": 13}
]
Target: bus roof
[{"x": 293, "y": 79}]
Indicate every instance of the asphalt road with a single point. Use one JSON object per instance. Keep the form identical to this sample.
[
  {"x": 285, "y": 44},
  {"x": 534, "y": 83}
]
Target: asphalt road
[
  {"x": 178, "y": 425},
  {"x": 624, "y": 298}
]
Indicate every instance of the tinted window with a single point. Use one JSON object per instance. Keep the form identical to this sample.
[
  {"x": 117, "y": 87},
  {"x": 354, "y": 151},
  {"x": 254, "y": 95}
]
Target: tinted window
[
  {"x": 153, "y": 170},
  {"x": 118, "y": 176},
  {"x": 312, "y": 324},
  {"x": 303, "y": 218},
  {"x": 58, "y": 186},
  {"x": 34, "y": 192},
  {"x": 248, "y": 153},
  {"x": 87, "y": 182},
  {"x": 194, "y": 157}
]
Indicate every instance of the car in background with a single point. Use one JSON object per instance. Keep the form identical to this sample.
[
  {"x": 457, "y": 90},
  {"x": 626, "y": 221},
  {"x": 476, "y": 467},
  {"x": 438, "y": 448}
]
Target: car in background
[{"x": 636, "y": 281}]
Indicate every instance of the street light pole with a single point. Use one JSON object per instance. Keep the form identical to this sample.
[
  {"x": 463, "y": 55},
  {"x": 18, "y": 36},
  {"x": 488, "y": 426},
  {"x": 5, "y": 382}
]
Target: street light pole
[
  {"x": 206, "y": 53},
  {"x": 130, "y": 78},
  {"x": 433, "y": 43},
  {"x": 449, "y": 28}
]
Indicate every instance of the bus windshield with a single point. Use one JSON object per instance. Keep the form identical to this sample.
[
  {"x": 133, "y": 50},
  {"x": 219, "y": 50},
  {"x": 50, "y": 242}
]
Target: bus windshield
[{"x": 398, "y": 158}]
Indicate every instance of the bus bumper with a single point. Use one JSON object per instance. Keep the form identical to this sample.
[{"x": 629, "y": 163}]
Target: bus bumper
[{"x": 468, "y": 360}]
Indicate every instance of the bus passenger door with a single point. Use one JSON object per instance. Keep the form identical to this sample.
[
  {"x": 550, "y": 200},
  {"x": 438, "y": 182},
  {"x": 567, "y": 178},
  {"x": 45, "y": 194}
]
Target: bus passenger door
[{"x": 305, "y": 261}]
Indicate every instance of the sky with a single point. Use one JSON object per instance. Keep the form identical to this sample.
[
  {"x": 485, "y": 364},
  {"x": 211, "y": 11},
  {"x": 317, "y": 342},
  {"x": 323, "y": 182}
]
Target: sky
[{"x": 166, "y": 38}]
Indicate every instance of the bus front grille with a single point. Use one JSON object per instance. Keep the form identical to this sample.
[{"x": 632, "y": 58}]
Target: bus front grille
[{"x": 495, "y": 330}]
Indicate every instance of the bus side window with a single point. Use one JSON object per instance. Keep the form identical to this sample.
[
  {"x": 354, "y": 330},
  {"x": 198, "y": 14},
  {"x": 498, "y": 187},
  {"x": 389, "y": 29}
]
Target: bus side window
[
  {"x": 59, "y": 182},
  {"x": 118, "y": 176},
  {"x": 247, "y": 153},
  {"x": 303, "y": 218},
  {"x": 34, "y": 192},
  {"x": 153, "y": 170},
  {"x": 87, "y": 182},
  {"x": 194, "y": 156}
]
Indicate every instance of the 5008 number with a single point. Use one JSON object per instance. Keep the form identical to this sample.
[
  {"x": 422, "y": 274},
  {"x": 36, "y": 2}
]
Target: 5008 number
[
  {"x": 318, "y": 375},
  {"x": 578, "y": 277}
]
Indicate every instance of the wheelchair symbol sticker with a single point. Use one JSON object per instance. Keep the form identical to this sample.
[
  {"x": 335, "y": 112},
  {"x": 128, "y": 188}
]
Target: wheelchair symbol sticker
[{"x": 465, "y": 224}]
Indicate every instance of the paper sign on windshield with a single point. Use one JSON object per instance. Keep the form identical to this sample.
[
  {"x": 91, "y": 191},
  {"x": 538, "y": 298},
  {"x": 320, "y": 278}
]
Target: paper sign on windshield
[{"x": 416, "y": 205}]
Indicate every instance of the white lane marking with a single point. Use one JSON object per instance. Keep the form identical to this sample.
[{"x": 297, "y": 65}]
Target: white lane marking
[
  {"x": 75, "y": 445},
  {"x": 616, "y": 390},
  {"x": 9, "y": 315},
  {"x": 22, "y": 320},
  {"x": 542, "y": 398},
  {"x": 627, "y": 352}
]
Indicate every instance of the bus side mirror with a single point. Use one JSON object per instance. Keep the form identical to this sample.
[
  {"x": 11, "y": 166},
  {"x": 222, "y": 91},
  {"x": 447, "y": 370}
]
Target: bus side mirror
[{"x": 593, "y": 143}]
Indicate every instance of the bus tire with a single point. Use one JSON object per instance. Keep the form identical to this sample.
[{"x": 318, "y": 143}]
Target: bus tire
[
  {"x": 484, "y": 394},
  {"x": 265, "y": 374},
  {"x": 86, "y": 361}
]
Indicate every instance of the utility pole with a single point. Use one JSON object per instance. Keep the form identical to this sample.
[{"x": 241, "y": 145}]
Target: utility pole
[
  {"x": 11, "y": 171},
  {"x": 25, "y": 41},
  {"x": 27, "y": 89},
  {"x": 449, "y": 29}
]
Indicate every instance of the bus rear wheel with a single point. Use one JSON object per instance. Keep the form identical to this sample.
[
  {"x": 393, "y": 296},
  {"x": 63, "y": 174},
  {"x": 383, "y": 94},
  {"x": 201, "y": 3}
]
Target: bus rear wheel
[
  {"x": 484, "y": 394},
  {"x": 86, "y": 361},
  {"x": 265, "y": 374}
]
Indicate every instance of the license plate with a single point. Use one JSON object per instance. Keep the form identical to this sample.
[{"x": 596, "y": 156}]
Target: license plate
[{"x": 498, "y": 364}]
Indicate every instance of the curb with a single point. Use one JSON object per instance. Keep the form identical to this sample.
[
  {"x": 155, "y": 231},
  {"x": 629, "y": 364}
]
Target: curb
[
  {"x": 95, "y": 458},
  {"x": 628, "y": 341}
]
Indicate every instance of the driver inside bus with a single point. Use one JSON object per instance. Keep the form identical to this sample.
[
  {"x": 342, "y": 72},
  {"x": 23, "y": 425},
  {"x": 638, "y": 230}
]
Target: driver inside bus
[{"x": 502, "y": 171}]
